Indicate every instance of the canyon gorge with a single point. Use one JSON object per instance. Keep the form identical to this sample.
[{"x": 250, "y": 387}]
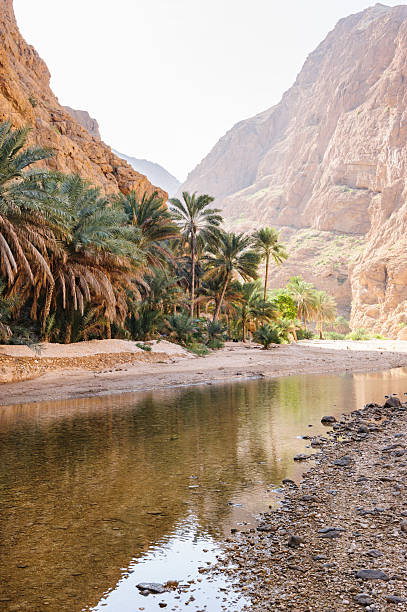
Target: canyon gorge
[{"x": 327, "y": 165}]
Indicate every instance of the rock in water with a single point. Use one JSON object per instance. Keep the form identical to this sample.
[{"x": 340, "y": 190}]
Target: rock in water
[
  {"x": 152, "y": 587},
  {"x": 326, "y": 420}
]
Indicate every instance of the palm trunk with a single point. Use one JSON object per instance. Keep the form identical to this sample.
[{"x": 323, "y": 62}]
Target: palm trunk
[
  {"x": 222, "y": 295},
  {"x": 267, "y": 275},
  {"x": 244, "y": 332},
  {"x": 192, "y": 277},
  {"x": 320, "y": 330}
]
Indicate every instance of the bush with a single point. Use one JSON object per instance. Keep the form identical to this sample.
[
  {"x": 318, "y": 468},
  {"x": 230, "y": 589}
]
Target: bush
[
  {"x": 359, "y": 334},
  {"x": 198, "y": 348},
  {"x": 305, "y": 334},
  {"x": 182, "y": 328},
  {"x": 267, "y": 334},
  {"x": 334, "y": 336},
  {"x": 215, "y": 343},
  {"x": 143, "y": 347}
]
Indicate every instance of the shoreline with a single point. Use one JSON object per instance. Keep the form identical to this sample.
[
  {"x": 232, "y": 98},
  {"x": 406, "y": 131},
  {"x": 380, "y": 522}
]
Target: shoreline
[
  {"x": 338, "y": 540},
  {"x": 116, "y": 373}
]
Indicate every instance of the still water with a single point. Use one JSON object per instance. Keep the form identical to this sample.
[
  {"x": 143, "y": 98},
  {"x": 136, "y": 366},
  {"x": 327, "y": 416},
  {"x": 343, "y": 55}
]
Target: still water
[{"x": 97, "y": 495}]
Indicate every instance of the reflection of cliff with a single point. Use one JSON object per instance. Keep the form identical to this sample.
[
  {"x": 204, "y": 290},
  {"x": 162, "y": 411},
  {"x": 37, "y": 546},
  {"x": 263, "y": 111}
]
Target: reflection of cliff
[{"x": 87, "y": 485}]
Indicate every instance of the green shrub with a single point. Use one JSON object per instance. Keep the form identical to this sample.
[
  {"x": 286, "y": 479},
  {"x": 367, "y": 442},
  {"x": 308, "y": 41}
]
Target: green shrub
[
  {"x": 359, "y": 334},
  {"x": 198, "y": 348},
  {"x": 267, "y": 334},
  {"x": 305, "y": 334},
  {"x": 33, "y": 101},
  {"x": 215, "y": 343},
  {"x": 143, "y": 347},
  {"x": 334, "y": 336}
]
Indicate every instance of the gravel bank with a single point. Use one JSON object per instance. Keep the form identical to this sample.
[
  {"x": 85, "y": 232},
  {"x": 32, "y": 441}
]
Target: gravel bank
[{"x": 338, "y": 541}]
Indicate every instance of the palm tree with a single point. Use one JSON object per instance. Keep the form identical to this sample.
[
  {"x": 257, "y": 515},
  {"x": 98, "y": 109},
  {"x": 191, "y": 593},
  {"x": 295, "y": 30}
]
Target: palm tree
[
  {"x": 28, "y": 214},
  {"x": 250, "y": 307},
  {"x": 230, "y": 255},
  {"x": 303, "y": 295},
  {"x": 324, "y": 309},
  {"x": 266, "y": 241},
  {"x": 197, "y": 223},
  {"x": 152, "y": 217}
]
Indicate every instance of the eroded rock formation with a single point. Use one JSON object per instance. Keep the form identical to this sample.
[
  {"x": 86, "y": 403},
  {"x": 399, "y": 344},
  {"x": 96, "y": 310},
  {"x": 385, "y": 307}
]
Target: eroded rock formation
[
  {"x": 26, "y": 99},
  {"x": 330, "y": 160}
]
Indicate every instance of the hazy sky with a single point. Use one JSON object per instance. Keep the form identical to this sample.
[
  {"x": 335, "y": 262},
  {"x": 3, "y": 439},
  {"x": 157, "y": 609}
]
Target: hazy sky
[{"x": 167, "y": 78}]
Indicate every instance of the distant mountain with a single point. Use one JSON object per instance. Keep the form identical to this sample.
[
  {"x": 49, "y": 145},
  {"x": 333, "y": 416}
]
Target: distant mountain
[
  {"x": 327, "y": 165},
  {"x": 154, "y": 172}
]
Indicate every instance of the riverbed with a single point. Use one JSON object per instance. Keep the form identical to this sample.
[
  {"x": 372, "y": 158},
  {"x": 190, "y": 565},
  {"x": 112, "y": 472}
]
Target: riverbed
[{"x": 100, "y": 494}]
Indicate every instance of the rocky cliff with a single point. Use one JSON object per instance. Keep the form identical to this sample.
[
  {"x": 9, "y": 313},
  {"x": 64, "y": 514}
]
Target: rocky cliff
[
  {"x": 85, "y": 120},
  {"x": 26, "y": 99},
  {"x": 328, "y": 165}
]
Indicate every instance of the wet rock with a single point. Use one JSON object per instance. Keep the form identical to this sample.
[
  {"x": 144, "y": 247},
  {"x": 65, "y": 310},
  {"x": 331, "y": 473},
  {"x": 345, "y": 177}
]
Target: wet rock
[
  {"x": 151, "y": 587},
  {"x": 288, "y": 481},
  {"x": 372, "y": 574},
  {"x": 392, "y": 402},
  {"x": 300, "y": 457},
  {"x": 343, "y": 461},
  {"x": 363, "y": 599},
  {"x": 327, "y": 420}
]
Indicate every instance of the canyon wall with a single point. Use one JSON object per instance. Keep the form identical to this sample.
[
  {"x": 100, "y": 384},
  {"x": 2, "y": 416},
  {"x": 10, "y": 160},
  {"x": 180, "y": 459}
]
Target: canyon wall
[
  {"x": 328, "y": 165},
  {"x": 27, "y": 100}
]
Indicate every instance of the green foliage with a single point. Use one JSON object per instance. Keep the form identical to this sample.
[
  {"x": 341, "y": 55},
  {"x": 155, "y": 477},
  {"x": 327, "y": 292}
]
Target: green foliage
[
  {"x": 198, "y": 348},
  {"x": 182, "y": 328},
  {"x": 333, "y": 335},
  {"x": 33, "y": 101},
  {"x": 305, "y": 334},
  {"x": 267, "y": 334},
  {"x": 285, "y": 304},
  {"x": 144, "y": 347},
  {"x": 359, "y": 334}
]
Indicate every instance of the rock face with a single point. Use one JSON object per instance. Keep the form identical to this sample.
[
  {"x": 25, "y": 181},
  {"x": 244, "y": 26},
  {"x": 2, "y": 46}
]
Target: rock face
[
  {"x": 330, "y": 161},
  {"x": 85, "y": 120},
  {"x": 26, "y": 99},
  {"x": 155, "y": 173}
]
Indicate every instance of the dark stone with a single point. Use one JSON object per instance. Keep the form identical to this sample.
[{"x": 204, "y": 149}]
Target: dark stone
[
  {"x": 392, "y": 402},
  {"x": 371, "y": 574},
  {"x": 309, "y": 498},
  {"x": 343, "y": 461},
  {"x": 395, "y": 599},
  {"x": 363, "y": 429},
  {"x": 320, "y": 557},
  {"x": 289, "y": 482},
  {"x": 327, "y": 420},
  {"x": 300, "y": 457},
  {"x": 330, "y": 535},
  {"x": 327, "y": 529},
  {"x": 374, "y": 553},
  {"x": 267, "y": 528},
  {"x": 294, "y": 541},
  {"x": 152, "y": 587},
  {"x": 363, "y": 599}
]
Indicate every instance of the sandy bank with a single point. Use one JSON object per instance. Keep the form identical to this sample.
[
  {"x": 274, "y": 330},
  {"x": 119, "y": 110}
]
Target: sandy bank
[
  {"x": 338, "y": 541},
  {"x": 168, "y": 365}
]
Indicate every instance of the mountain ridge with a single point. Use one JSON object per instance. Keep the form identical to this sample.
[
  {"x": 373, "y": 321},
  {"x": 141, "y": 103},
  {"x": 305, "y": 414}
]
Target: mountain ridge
[{"x": 328, "y": 166}]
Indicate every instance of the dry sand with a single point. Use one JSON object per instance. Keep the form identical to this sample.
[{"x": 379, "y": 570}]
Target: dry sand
[{"x": 118, "y": 366}]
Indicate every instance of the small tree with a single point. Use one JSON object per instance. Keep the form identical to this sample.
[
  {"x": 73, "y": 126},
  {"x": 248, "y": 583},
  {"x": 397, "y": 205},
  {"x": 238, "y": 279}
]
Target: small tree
[
  {"x": 266, "y": 243},
  {"x": 267, "y": 334}
]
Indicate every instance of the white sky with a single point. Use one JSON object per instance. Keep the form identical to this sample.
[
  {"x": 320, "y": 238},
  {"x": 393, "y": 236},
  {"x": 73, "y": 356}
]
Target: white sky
[{"x": 167, "y": 78}]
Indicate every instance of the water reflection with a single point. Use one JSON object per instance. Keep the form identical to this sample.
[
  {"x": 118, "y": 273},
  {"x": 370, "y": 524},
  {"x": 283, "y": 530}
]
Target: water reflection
[{"x": 88, "y": 487}]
